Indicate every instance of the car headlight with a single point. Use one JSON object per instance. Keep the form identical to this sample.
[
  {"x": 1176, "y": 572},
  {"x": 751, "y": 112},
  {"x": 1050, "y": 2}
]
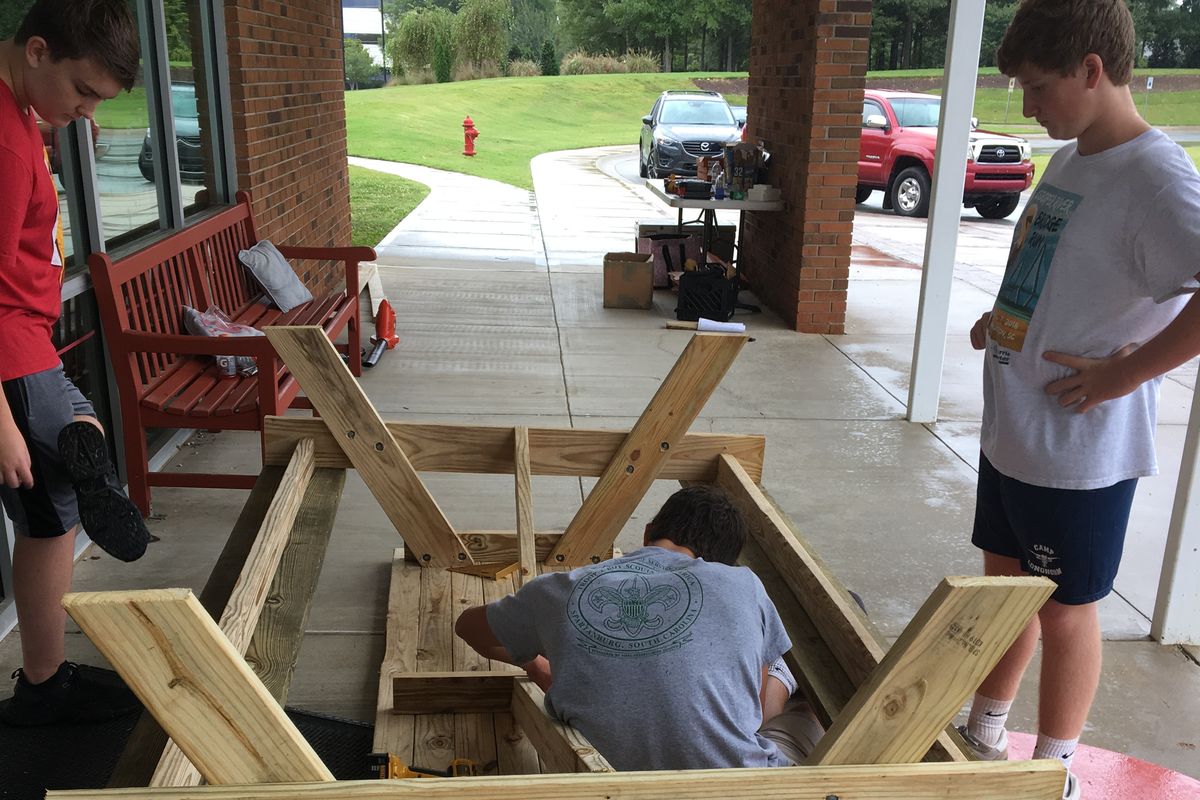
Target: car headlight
[
  {"x": 665, "y": 140},
  {"x": 1026, "y": 151}
]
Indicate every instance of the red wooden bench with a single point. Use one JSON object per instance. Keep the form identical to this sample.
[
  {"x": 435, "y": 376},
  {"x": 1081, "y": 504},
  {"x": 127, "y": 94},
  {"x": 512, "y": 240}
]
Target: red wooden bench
[{"x": 167, "y": 378}]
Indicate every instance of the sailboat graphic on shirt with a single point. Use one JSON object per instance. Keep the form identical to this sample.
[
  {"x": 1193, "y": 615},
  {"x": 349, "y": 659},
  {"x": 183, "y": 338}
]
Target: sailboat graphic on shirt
[{"x": 1034, "y": 241}]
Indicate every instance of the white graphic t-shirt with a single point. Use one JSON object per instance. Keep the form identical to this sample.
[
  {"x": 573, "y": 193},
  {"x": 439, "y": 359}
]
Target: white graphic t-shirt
[{"x": 1103, "y": 256}]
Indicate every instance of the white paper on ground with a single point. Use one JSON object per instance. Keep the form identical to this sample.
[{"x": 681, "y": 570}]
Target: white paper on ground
[{"x": 712, "y": 325}]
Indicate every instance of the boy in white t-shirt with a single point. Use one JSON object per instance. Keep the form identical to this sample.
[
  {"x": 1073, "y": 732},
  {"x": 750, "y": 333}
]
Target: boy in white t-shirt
[{"x": 1097, "y": 304}]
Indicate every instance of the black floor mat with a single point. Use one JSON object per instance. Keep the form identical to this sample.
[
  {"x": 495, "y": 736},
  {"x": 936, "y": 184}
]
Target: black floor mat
[{"x": 83, "y": 756}]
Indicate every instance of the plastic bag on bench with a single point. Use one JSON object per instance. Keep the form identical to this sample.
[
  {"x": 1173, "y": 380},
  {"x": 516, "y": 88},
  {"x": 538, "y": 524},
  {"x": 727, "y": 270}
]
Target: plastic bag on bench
[{"x": 215, "y": 322}]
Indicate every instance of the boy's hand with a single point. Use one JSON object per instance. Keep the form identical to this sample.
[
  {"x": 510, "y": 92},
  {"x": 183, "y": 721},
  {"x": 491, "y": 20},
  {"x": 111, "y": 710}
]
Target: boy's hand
[
  {"x": 1095, "y": 379},
  {"x": 538, "y": 671},
  {"x": 15, "y": 466},
  {"x": 979, "y": 331}
]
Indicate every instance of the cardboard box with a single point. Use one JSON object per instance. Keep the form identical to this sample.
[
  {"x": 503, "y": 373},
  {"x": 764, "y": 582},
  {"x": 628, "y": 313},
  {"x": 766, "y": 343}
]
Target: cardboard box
[{"x": 628, "y": 280}]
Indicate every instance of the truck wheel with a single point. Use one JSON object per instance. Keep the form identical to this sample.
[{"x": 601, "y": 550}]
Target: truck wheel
[
  {"x": 862, "y": 193},
  {"x": 910, "y": 193},
  {"x": 999, "y": 209}
]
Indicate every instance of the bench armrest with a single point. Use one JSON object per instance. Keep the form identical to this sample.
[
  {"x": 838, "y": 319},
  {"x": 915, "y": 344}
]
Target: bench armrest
[
  {"x": 181, "y": 344},
  {"x": 350, "y": 256}
]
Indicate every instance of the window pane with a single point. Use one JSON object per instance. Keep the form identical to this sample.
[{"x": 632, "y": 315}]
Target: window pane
[{"x": 189, "y": 104}]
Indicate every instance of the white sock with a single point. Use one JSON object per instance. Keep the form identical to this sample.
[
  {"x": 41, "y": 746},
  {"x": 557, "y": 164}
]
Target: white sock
[
  {"x": 1061, "y": 749},
  {"x": 987, "y": 719}
]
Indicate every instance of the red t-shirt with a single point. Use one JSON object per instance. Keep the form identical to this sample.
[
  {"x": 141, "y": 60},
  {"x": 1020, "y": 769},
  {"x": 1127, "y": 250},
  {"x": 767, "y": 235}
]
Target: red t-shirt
[{"x": 31, "y": 263}]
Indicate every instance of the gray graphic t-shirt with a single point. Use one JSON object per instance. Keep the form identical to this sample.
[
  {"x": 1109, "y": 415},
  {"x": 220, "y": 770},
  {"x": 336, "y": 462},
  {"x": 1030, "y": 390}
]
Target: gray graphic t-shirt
[
  {"x": 657, "y": 657},
  {"x": 1102, "y": 256}
]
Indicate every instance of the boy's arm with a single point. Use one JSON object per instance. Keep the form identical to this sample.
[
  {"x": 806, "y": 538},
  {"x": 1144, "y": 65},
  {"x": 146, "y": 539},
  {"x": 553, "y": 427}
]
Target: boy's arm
[
  {"x": 473, "y": 628},
  {"x": 1100, "y": 379},
  {"x": 15, "y": 465}
]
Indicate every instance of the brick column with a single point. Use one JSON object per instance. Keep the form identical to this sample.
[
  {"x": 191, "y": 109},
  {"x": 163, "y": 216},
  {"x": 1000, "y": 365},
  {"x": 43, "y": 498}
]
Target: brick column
[
  {"x": 808, "y": 64},
  {"x": 289, "y": 121}
]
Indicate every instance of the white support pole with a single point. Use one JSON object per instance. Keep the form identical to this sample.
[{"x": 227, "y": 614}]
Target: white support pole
[
  {"x": 1177, "y": 611},
  {"x": 949, "y": 178}
]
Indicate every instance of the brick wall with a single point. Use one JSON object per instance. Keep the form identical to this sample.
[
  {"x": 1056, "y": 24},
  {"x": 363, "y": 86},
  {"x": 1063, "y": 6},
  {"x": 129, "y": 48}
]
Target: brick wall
[
  {"x": 808, "y": 63},
  {"x": 289, "y": 120}
]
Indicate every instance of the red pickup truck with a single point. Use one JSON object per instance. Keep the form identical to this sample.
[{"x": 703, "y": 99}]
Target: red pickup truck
[{"x": 899, "y": 138}]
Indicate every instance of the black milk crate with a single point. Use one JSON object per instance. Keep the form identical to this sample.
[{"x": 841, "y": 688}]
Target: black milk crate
[{"x": 706, "y": 293}]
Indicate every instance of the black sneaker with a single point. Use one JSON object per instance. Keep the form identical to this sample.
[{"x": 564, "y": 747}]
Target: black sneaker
[
  {"x": 106, "y": 513},
  {"x": 76, "y": 693}
]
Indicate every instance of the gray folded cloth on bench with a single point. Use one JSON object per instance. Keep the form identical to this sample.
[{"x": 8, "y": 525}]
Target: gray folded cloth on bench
[{"x": 275, "y": 275}]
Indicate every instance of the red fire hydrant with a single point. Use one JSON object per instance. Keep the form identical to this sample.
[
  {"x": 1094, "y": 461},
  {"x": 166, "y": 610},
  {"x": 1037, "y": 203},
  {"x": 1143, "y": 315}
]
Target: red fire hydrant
[{"x": 469, "y": 134}]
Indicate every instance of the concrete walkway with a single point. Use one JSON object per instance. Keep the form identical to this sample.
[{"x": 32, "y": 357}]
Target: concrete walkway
[{"x": 500, "y": 317}]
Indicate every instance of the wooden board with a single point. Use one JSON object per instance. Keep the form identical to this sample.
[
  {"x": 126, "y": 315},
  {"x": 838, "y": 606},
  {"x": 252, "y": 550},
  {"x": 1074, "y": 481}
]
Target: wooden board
[
  {"x": 360, "y": 432},
  {"x": 433, "y": 743},
  {"x": 526, "y": 547},
  {"x": 642, "y": 455},
  {"x": 394, "y": 732},
  {"x": 1010, "y": 780},
  {"x": 275, "y": 645},
  {"x": 950, "y": 646},
  {"x": 843, "y": 627},
  {"x": 492, "y": 572},
  {"x": 179, "y": 664},
  {"x": 145, "y": 745},
  {"x": 561, "y": 748},
  {"x": 484, "y": 449}
]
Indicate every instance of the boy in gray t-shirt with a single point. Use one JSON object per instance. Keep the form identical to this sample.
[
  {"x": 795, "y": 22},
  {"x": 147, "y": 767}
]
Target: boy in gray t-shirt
[{"x": 665, "y": 658}]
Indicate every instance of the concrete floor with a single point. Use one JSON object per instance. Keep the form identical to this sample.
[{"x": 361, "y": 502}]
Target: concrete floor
[{"x": 497, "y": 296}]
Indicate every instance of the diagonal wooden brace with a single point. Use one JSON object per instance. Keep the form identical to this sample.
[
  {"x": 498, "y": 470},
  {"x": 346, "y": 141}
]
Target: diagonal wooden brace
[
  {"x": 369, "y": 445},
  {"x": 641, "y": 457}
]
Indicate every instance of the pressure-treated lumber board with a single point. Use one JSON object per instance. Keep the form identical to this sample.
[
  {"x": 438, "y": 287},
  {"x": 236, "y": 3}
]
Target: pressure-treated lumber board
[
  {"x": 526, "y": 548},
  {"x": 640, "y": 459},
  {"x": 277, "y": 638},
  {"x": 394, "y": 732},
  {"x": 844, "y": 628},
  {"x": 562, "y": 748},
  {"x": 145, "y": 745},
  {"x": 487, "y": 449},
  {"x": 1010, "y": 780},
  {"x": 515, "y": 754},
  {"x": 461, "y": 692},
  {"x": 360, "y": 432},
  {"x": 492, "y": 572},
  {"x": 812, "y": 663},
  {"x": 953, "y": 642},
  {"x": 433, "y": 742},
  {"x": 179, "y": 664},
  {"x": 241, "y": 613},
  {"x": 474, "y": 728}
]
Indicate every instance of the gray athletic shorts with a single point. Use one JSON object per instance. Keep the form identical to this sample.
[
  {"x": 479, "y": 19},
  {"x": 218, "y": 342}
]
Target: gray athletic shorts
[{"x": 42, "y": 405}]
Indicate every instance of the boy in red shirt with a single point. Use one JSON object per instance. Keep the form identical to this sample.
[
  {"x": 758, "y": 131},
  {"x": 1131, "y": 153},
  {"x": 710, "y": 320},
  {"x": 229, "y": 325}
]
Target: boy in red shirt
[{"x": 67, "y": 56}]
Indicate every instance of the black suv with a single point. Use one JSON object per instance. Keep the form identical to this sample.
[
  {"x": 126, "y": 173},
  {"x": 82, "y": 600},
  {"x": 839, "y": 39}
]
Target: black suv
[{"x": 682, "y": 126}]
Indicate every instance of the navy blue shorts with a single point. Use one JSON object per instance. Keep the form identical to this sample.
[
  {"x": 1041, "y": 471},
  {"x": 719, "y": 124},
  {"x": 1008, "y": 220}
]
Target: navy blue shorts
[{"x": 1074, "y": 537}]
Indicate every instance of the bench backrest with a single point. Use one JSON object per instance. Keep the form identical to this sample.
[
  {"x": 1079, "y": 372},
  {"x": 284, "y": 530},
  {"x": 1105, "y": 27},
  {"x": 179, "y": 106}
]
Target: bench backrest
[{"x": 198, "y": 266}]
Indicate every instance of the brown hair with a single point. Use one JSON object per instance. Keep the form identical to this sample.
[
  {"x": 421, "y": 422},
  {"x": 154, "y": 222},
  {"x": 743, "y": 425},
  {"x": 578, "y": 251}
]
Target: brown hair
[
  {"x": 704, "y": 520},
  {"x": 1055, "y": 35},
  {"x": 103, "y": 31}
]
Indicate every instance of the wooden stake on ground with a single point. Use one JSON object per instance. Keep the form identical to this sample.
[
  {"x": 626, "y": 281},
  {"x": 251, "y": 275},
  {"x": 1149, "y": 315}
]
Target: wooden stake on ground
[
  {"x": 642, "y": 455},
  {"x": 357, "y": 427},
  {"x": 196, "y": 684},
  {"x": 1011, "y": 780},
  {"x": 953, "y": 642}
]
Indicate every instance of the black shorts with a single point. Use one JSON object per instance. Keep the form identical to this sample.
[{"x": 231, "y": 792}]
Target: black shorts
[
  {"x": 42, "y": 405},
  {"x": 1072, "y": 536}
]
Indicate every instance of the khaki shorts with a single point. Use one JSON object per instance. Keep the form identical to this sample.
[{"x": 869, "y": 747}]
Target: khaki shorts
[{"x": 795, "y": 730}]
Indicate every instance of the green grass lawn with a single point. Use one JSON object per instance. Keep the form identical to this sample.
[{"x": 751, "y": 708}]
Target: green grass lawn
[
  {"x": 126, "y": 110},
  {"x": 517, "y": 118},
  {"x": 378, "y": 201}
]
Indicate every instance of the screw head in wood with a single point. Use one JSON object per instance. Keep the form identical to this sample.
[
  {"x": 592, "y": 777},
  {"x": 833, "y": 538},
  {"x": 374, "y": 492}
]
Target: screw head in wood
[
  {"x": 560, "y": 558},
  {"x": 595, "y": 559},
  {"x": 379, "y": 446},
  {"x": 665, "y": 446},
  {"x": 426, "y": 557},
  {"x": 350, "y": 434},
  {"x": 629, "y": 469},
  {"x": 462, "y": 556}
]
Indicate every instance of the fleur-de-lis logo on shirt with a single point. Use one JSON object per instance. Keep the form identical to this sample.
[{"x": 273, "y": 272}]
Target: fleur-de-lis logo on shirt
[{"x": 634, "y": 598}]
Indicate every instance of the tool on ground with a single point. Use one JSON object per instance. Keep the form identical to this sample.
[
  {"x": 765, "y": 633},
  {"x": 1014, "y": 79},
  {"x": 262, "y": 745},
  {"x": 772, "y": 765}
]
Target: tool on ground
[
  {"x": 703, "y": 324},
  {"x": 386, "y": 765},
  {"x": 385, "y": 337}
]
